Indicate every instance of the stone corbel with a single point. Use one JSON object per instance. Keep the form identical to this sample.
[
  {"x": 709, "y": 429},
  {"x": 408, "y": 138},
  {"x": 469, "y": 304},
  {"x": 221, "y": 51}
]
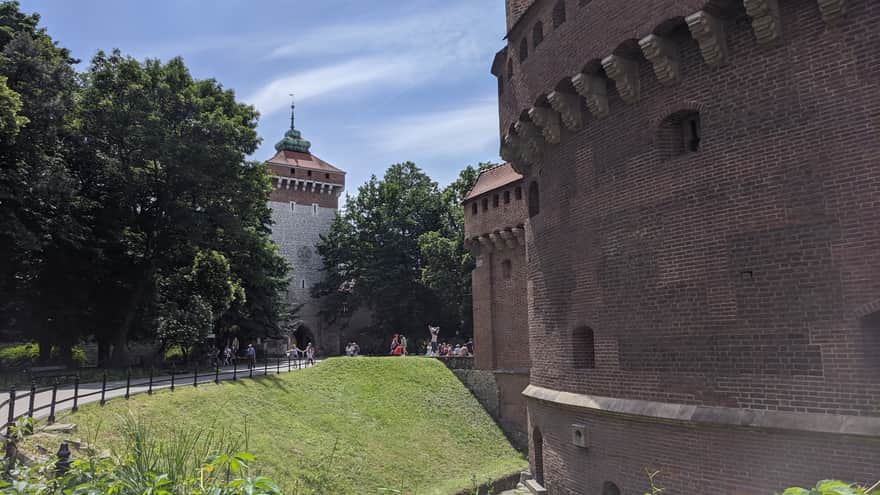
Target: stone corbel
[
  {"x": 548, "y": 120},
  {"x": 569, "y": 107},
  {"x": 473, "y": 246},
  {"x": 625, "y": 73},
  {"x": 511, "y": 152},
  {"x": 765, "y": 20},
  {"x": 508, "y": 237},
  {"x": 519, "y": 234},
  {"x": 532, "y": 141},
  {"x": 832, "y": 10},
  {"x": 497, "y": 242},
  {"x": 663, "y": 55},
  {"x": 709, "y": 33},
  {"x": 595, "y": 92},
  {"x": 485, "y": 243}
]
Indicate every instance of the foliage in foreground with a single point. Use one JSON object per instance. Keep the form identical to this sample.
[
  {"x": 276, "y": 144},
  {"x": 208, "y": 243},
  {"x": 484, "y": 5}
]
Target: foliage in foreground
[
  {"x": 834, "y": 487},
  {"x": 189, "y": 462}
]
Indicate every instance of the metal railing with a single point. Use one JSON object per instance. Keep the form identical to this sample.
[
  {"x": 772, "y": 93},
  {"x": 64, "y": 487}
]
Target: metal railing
[{"x": 147, "y": 385}]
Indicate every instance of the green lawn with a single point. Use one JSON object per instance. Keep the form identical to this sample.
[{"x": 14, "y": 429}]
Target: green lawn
[{"x": 364, "y": 425}]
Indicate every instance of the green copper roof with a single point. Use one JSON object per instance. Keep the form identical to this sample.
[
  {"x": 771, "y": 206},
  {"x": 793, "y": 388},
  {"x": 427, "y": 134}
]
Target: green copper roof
[{"x": 293, "y": 140}]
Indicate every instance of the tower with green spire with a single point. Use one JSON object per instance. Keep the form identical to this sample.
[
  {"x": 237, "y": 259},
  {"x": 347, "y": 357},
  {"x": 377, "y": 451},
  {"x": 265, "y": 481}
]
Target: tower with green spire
[
  {"x": 304, "y": 201},
  {"x": 293, "y": 140}
]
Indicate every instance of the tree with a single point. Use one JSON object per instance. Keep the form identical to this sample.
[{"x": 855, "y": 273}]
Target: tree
[
  {"x": 372, "y": 250},
  {"x": 446, "y": 264}
]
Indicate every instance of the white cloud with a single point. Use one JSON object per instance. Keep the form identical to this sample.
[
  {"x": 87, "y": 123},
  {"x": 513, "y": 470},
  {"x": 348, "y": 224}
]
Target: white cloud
[
  {"x": 348, "y": 75},
  {"x": 470, "y": 129}
]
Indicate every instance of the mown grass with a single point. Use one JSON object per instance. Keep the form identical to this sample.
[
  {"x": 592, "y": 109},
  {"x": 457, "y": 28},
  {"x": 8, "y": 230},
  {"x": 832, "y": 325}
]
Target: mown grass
[{"x": 363, "y": 425}]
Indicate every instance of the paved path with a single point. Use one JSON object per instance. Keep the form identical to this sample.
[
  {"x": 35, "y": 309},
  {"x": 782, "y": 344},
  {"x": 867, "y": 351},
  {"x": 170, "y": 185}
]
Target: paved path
[{"x": 91, "y": 392}]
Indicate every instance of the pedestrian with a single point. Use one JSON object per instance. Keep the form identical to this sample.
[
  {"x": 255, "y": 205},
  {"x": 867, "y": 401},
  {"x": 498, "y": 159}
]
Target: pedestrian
[
  {"x": 435, "y": 333},
  {"x": 403, "y": 344},
  {"x": 355, "y": 349},
  {"x": 227, "y": 356},
  {"x": 470, "y": 346},
  {"x": 395, "y": 341},
  {"x": 252, "y": 356},
  {"x": 310, "y": 354}
]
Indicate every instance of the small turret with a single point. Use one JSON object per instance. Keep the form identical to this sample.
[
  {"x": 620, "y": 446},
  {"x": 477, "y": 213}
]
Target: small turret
[{"x": 293, "y": 140}]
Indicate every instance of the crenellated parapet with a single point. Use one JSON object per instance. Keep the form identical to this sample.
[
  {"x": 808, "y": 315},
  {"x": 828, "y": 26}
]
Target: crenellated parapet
[
  {"x": 663, "y": 55},
  {"x": 765, "y": 20},
  {"x": 526, "y": 142},
  {"x": 710, "y": 34}
]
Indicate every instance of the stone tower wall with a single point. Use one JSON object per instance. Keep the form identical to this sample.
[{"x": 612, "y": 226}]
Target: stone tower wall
[{"x": 730, "y": 294}]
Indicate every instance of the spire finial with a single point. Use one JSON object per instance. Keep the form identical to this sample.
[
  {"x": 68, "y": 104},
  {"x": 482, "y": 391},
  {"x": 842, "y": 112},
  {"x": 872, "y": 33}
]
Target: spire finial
[{"x": 292, "y": 107}]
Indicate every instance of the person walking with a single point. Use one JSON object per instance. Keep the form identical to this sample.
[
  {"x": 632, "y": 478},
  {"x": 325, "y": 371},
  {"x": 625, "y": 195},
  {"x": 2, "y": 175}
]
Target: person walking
[
  {"x": 252, "y": 356},
  {"x": 402, "y": 345},
  {"x": 435, "y": 333},
  {"x": 310, "y": 354}
]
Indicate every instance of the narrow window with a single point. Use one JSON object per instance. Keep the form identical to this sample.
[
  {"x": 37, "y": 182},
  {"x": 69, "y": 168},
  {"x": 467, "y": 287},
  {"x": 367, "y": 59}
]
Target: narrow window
[
  {"x": 537, "y": 34},
  {"x": 309, "y": 173},
  {"x": 506, "y": 269},
  {"x": 679, "y": 134},
  {"x": 293, "y": 171},
  {"x": 292, "y": 205},
  {"x": 473, "y": 208},
  {"x": 523, "y": 50},
  {"x": 518, "y": 193},
  {"x": 326, "y": 176},
  {"x": 314, "y": 208},
  {"x": 509, "y": 69},
  {"x": 485, "y": 204},
  {"x": 558, "y": 13},
  {"x": 506, "y": 197},
  {"x": 583, "y": 348},
  {"x": 495, "y": 201},
  {"x": 303, "y": 283},
  {"x": 534, "y": 200}
]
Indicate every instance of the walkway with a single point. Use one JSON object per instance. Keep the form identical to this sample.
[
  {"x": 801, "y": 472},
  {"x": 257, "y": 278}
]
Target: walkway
[{"x": 91, "y": 392}]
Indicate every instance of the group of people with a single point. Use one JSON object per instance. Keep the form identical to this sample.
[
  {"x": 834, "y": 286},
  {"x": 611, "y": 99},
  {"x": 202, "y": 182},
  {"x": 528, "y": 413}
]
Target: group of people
[
  {"x": 352, "y": 349},
  {"x": 308, "y": 353},
  {"x": 398, "y": 345},
  {"x": 458, "y": 350}
]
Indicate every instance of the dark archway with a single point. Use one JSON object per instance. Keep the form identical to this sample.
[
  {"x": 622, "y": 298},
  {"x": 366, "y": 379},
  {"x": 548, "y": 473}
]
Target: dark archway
[
  {"x": 538, "y": 451},
  {"x": 609, "y": 488},
  {"x": 303, "y": 336}
]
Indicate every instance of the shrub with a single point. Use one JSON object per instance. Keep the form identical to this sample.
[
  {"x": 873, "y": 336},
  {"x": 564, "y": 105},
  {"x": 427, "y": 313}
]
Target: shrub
[{"x": 23, "y": 355}]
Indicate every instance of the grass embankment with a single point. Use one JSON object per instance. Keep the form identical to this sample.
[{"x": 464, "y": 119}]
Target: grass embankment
[{"x": 365, "y": 425}]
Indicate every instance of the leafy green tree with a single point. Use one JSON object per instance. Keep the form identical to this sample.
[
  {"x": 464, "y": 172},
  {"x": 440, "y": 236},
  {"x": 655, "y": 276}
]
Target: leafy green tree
[{"x": 446, "y": 264}]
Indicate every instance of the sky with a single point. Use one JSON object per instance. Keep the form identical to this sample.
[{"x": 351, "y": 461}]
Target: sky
[{"x": 377, "y": 82}]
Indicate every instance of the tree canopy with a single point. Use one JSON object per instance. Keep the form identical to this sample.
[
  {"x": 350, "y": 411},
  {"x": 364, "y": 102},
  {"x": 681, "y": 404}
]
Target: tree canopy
[{"x": 128, "y": 208}]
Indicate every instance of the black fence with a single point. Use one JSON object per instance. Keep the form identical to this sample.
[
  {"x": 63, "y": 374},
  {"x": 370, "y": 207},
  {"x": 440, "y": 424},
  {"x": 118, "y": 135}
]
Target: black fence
[{"x": 16, "y": 402}]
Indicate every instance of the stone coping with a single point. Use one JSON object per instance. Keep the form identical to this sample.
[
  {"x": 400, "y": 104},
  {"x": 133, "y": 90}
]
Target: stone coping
[{"x": 712, "y": 415}]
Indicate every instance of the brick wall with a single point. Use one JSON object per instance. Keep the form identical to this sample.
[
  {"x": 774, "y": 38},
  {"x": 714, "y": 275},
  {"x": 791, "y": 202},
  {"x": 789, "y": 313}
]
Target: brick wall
[
  {"x": 733, "y": 276},
  {"x": 692, "y": 459}
]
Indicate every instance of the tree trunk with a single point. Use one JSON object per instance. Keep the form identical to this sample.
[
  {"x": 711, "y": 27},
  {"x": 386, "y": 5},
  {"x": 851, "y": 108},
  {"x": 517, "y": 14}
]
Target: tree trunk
[
  {"x": 119, "y": 358},
  {"x": 103, "y": 351}
]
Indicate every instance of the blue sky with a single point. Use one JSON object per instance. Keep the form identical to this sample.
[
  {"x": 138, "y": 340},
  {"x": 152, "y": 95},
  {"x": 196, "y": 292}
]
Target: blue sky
[{"x": 377, "y": 81}]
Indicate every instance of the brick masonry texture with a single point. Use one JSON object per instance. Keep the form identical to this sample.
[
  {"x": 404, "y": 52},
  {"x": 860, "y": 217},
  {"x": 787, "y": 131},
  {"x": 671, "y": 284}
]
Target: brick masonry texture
[
  {"x": 737, "y": 275},
  {"x": 501, "y": 337}
]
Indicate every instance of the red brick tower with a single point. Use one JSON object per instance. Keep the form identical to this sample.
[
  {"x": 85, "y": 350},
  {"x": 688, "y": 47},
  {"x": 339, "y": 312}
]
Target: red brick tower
[
  {"x": 703, "y": 240},
  {"x": 494, "y": 214}
]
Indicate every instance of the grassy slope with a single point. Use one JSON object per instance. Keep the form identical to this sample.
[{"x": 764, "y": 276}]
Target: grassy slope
[{"x": 396, "y": 423}]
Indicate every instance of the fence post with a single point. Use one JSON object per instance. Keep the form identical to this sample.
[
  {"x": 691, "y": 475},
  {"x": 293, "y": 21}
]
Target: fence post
[
  {"x": 288, "y": 363},
  {"x": 278, "y": 366},
  {"x": 63, "y": 462},
  {"x": 128, "y": 383},
  {"x": 75, "y": 393},
  {"x": 150, "y": 385},
  {"x": 31, "y": 400},
  {"x": 11, "y": 417},
  {"x": 234, "y": 369},
  {"x": 52, "y": 404},
  {"x": 103, "y": 387},
  {"x": 217, "y": 374},
  {"x": 196, "y": 376}
]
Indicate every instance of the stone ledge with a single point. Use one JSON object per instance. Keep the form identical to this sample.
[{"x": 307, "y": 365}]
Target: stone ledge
[{"x": 725, "y": 416}]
